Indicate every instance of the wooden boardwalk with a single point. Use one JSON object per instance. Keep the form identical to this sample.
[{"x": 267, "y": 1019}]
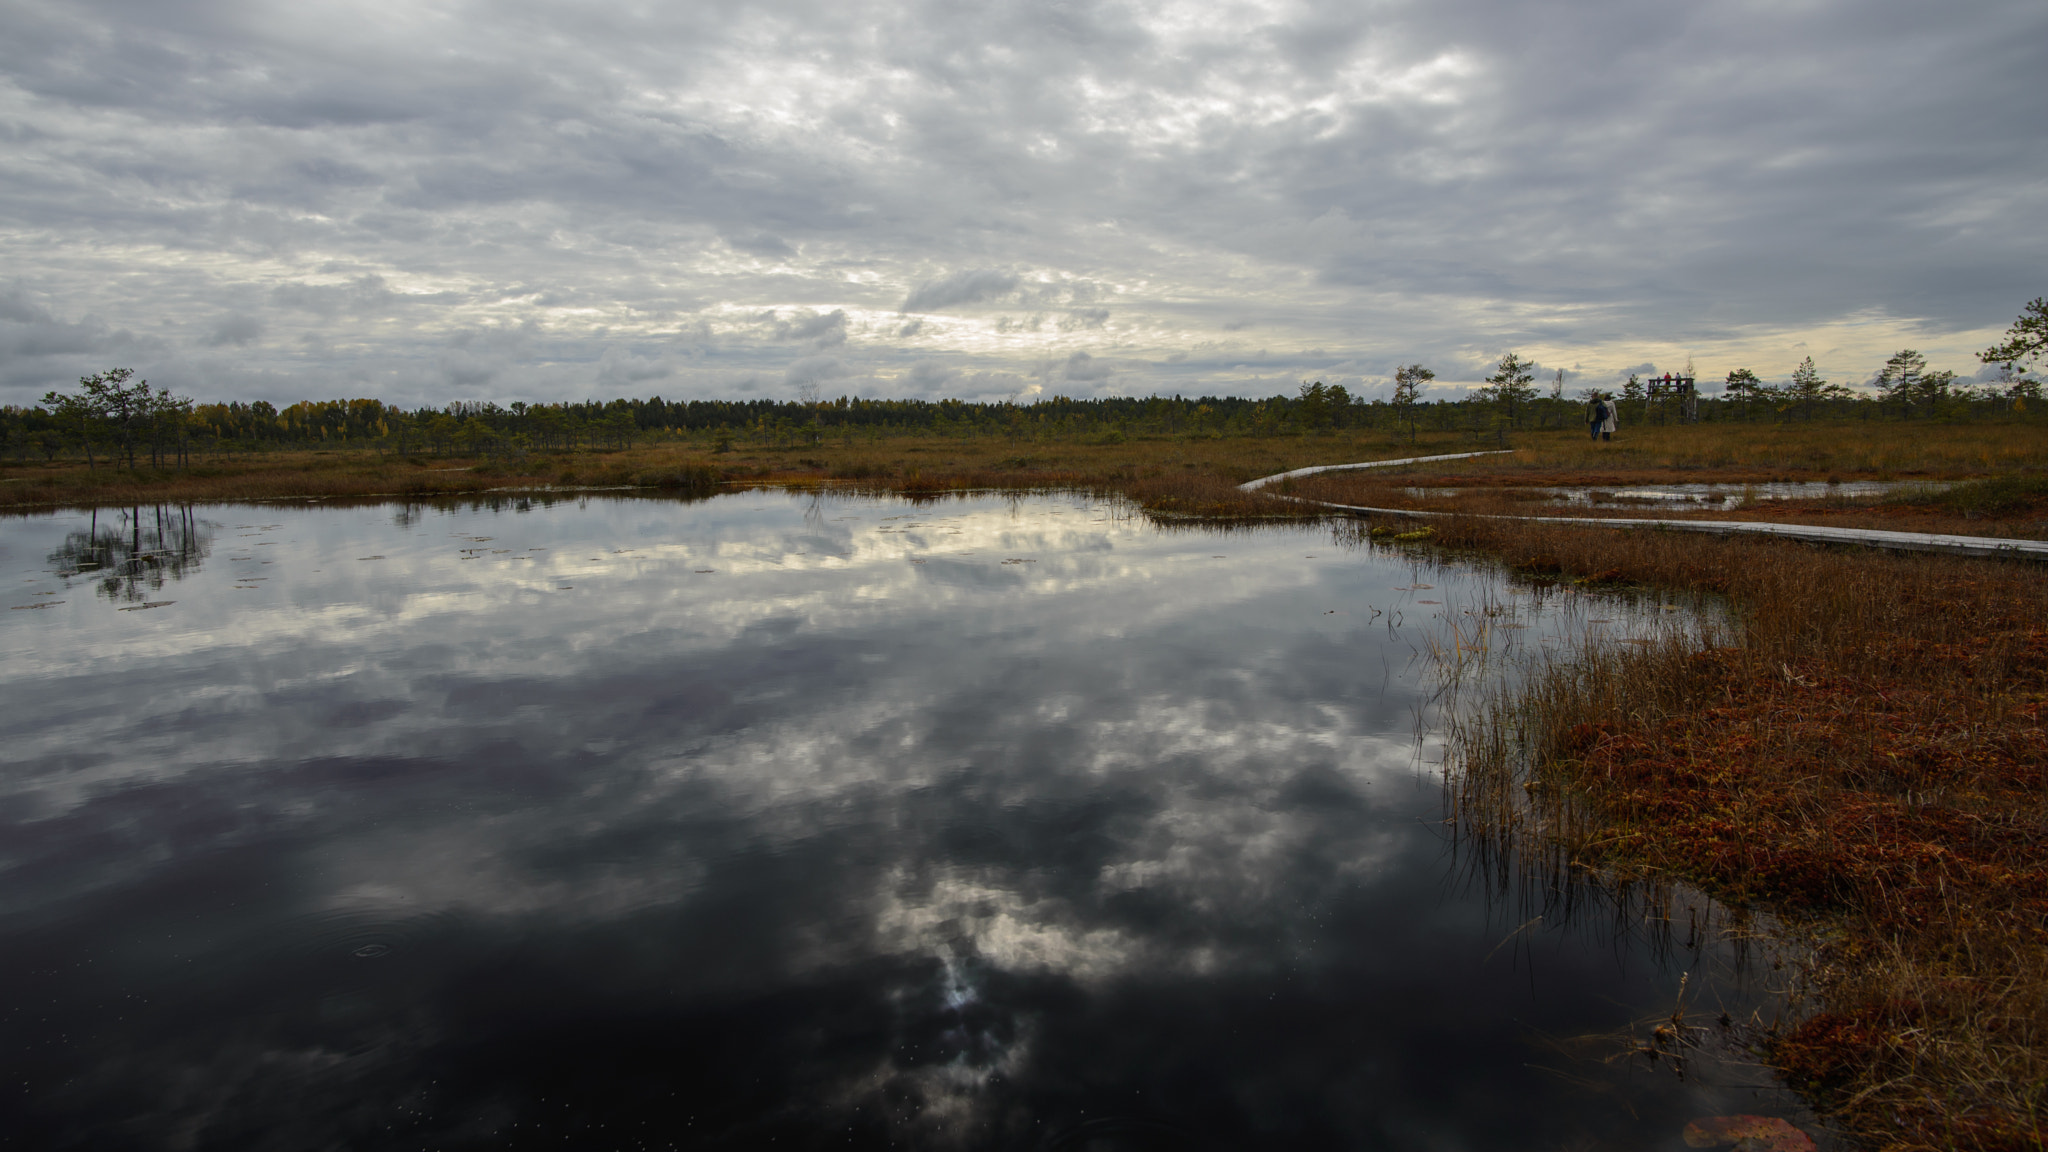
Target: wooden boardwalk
[{"x": 1865, "y": 537}]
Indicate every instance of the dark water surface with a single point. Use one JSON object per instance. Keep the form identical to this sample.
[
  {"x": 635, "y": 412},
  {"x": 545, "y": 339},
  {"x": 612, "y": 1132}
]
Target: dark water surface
[{"x": 765, "y": 820}]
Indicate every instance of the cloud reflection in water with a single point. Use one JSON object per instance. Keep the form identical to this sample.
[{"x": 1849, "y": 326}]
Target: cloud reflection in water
[{"x": 1125, "y": 844}]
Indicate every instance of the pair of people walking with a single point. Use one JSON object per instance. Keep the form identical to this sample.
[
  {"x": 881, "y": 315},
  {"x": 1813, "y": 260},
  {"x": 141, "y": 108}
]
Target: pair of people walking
[{"x": 1600, "y": 421}]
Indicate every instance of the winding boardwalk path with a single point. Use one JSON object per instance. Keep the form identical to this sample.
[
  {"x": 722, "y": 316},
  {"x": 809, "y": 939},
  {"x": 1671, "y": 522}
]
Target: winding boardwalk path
[
  {"x": 1261, "y": 482},
  {"x": 1867, "y": 537}
]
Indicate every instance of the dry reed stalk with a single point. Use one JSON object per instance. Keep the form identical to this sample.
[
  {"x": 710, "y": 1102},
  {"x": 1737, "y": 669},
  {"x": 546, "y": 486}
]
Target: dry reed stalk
[{"x": 1860, "y": 754}]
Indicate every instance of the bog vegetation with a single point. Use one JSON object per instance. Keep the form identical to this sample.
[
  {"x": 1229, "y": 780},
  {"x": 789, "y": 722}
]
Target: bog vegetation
[
  {"x": 107, "y": 418},
  {"x": 1860, "y": 752},
  {"x": 108, "y": 414},
  {"x": 1176, "y": 455}
]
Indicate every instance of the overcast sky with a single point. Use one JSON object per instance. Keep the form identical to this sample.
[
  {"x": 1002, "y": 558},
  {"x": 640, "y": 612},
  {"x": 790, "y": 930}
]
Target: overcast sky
[{"x": 430, "y": 201}]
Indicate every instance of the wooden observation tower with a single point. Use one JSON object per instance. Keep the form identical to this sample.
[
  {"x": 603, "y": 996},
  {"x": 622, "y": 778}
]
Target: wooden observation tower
[{"x": 1679, "y": 391}]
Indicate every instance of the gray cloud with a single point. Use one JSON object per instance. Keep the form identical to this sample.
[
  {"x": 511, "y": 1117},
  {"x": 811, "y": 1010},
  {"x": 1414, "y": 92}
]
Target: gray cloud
[
  {"x": 823, "y": 331},
  {"x": 968, "y": 287},
  {"x": 1591, "y": 185},
  {"x": 618, "y": 371},
  {"x": 16, "y": 306},
  {"x": 236, "y": 330},
  {"x": 361, "y": 294},
  {"x": 930, "y": 375},
  {"x": 1082, "y": 366},
  {"x": 817, "y": 370},
  {"x": 761, "y": 244}
]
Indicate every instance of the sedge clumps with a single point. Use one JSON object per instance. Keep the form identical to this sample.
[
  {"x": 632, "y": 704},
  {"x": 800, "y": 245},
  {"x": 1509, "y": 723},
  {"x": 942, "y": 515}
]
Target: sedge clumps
[{"x": 1860, "y": 752}]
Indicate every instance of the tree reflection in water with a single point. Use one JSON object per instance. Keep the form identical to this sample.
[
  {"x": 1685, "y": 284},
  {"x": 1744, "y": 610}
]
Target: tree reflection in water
[{"x": 133, "y": 556}]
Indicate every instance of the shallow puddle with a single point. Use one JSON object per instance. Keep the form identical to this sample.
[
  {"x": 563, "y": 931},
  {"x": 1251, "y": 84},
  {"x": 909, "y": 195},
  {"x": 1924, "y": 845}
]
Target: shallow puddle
[
  {"x": 646, "y": 823},
  {"x": 1707, "y": 495}
]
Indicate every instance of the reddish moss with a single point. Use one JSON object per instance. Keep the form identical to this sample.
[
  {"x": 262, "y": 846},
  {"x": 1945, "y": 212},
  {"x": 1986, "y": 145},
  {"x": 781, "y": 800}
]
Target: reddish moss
[{"x": 1870, "y": 760}]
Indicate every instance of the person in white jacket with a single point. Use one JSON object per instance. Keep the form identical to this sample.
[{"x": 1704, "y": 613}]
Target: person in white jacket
[{"x": 1601, "y": 418}]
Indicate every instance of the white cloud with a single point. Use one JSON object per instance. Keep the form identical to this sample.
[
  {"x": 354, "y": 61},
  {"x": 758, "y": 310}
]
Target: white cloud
[{"x": 323, "y": 200}]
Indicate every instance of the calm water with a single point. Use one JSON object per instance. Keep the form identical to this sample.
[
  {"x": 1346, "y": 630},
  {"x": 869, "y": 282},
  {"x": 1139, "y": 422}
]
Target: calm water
[
  {"x": 1713, "y": 495},
  {"x": 645, "y": 824}
]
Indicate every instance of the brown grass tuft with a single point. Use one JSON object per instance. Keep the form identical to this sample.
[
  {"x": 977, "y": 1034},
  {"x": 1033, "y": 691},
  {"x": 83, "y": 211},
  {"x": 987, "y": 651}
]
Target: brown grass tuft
[
  {"x": 1211, "y": 497},
  {"x": 2014, "y": 506},
  {"x": 1862, "y": 753}
]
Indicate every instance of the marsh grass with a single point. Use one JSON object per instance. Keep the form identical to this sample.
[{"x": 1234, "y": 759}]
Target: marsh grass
[
  {"x": 1180, "y": 473},
  {"x": 2007, "y": 496},
  {"x": 1791, "y": 451},
  {"x": 1526, "y": 857},
  {"x": 1176, "y": 474},
  {"x": 1857, "y": 751},
  {"x": 2012, "y": 506}
]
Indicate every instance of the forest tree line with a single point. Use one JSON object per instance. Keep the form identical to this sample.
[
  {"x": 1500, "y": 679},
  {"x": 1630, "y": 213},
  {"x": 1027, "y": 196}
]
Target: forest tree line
[{"x": 110, "y": 419}]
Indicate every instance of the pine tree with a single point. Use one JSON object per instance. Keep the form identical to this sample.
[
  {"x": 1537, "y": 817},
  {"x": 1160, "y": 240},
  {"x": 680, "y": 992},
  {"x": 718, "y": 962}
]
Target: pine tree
[
  {"x": 79, "y": 415},
  {"x": 1746, "y": 389},
  {"x": 1807, "y": 388},
  {"x": 1409, "y": 380},
  {"x": 1511, "y": 387},
  {"x": 1901, "y": 379},
  {"x": 106, "y": 401},
  {"x": 1636, "y": 395},
  {"x": 2025, "y": 343}
]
